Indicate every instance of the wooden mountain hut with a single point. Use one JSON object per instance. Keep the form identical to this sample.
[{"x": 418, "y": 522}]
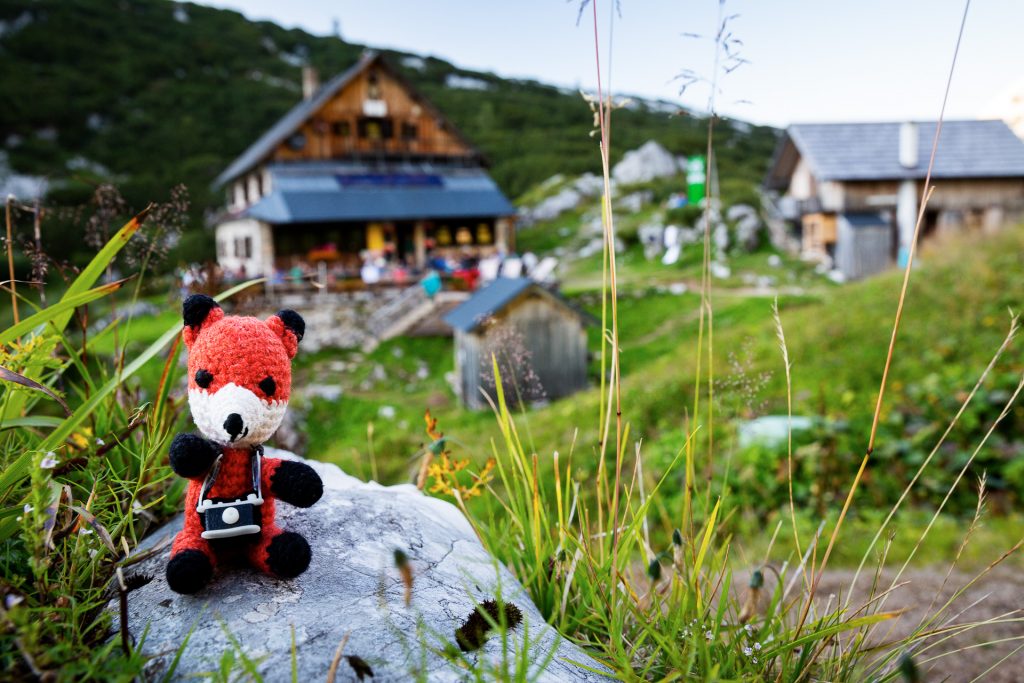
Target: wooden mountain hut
[
  {"x": 363, "y": 168},
  {"x": 538, "y": 337},
  {"x": 851, "y": 191}
]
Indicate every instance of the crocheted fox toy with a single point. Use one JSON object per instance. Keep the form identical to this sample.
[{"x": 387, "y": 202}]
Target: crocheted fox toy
[{"x": 239, "y": 381}]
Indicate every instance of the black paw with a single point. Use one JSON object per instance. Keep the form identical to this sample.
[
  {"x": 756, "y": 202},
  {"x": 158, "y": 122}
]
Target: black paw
[
  {"x": 188, "y": 572},
  {"x": 297, "y": 483},
  {"x": 288, "y": 554},
  {"x": 191, "y": 455}
]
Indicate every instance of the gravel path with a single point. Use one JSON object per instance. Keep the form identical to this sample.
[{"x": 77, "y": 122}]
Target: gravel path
[{"x": 999, "y": 592}]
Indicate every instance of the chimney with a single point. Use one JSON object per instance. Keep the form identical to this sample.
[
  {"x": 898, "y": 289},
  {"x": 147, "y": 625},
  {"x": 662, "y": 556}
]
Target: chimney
[
  {"x": 908, "y": 144},
  {"x": 310, "y": 82}
]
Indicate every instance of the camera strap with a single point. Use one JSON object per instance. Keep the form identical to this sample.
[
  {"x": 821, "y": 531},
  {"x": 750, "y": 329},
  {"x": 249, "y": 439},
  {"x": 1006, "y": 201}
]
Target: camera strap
[{"x": 257, "y": 483}]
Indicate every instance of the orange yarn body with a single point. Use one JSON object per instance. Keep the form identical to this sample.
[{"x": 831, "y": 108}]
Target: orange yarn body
[{"x": 233, "y": 481}]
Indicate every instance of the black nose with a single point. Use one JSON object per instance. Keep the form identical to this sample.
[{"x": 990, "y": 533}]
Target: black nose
[{"x": 233, "y": 425}]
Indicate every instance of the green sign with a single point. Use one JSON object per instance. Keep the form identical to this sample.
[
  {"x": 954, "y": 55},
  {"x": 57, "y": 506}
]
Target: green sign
[{"x": 696, "y": 178}]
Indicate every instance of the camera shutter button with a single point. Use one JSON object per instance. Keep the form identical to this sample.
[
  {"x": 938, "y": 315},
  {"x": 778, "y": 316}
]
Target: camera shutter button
[{"x": 230, "y": 516}]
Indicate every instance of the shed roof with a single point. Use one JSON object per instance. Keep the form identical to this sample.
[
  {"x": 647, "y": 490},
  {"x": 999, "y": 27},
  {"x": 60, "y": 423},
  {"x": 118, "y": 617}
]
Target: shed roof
[
  {"x": 313, "y": 192},
  {"x": 870, "y": 151},
  {"x": 495, "y": 296},
  {"x": 297, "y": 115}
]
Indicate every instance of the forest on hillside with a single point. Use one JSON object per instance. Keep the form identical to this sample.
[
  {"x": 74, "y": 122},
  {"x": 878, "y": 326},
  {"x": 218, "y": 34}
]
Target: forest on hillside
[{"x": 152, "y": 94}]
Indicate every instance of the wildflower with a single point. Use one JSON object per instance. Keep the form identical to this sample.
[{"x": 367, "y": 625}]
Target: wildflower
[
  {"x": 28, "y": 508},
  {"x": 12, "y": 600},
  {"x": 100, "y": 442},
  {"x": 757, "y": 646},
  {"x": 747, "y": 651},
  {"x": 49, "y": 461},
  {"x": 709, "y": 634}
]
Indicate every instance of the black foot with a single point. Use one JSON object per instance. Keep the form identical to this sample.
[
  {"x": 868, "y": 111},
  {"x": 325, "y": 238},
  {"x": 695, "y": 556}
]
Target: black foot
[
  {"x": 188, "y": 572},
  {"x": 297, "y": 483},
  {"x": 288, "y": 555}
]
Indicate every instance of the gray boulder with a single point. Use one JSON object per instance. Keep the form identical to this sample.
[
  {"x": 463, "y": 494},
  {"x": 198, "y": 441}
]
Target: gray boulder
[
  {"x": 646, "y": 163},
  {"x": 352, "y": 591},
  {"x": 566, "y": 199}
]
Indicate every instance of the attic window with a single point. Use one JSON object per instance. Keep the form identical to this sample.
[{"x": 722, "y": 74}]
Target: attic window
[
  {"x": 375, "y": 128},
  {"x": 297, "y": 142},
  {"x": 409, "y": 131}
]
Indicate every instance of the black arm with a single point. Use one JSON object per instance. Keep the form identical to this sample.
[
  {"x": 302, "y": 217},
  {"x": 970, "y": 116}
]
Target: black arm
[
  {"x": 191, "y": 455},
  {"x": 296, "y": 483}
]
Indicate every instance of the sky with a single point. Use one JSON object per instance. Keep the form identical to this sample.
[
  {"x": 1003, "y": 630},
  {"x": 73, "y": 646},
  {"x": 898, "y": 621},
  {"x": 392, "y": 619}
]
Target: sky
[{"x": 807, "y": 60}]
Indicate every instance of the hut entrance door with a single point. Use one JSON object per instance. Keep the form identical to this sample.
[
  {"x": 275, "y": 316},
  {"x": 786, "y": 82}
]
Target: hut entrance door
[{"x": 406, "y": 242}]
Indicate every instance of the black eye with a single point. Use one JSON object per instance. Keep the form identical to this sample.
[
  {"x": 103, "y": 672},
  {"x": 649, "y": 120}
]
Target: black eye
[
  {"x": 268, "y": 386},
  {"x": 204, "y": 378}
]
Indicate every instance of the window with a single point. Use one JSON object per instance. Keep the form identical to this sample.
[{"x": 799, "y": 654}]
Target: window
[
  {"x": 483, "y": 234},
  {"x": 222, "y": 249},
  {"x": 297, "y": 141},
  {"x": 243, "y": 247},
  {"x": 342, "y": 129},
  {"x": 371, "y": 128},
  {"x": 409, "y": 131}
]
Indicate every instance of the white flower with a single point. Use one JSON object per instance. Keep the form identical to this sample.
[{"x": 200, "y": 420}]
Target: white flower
[
  {"x": 748, "y": 651},
  {"x": 754, "y": 660},
  {"x": 49, "y": 461},
  {"x": 709, "y": 634},
  {"x": 757, "y": 646},
  {"x": 84, "y": 531},
  {"x": 100, "y": 442},
  {"x": 748, "y": 628},
  {"x": 28, "y": 508},
  {"x": 13, "y": 600}
]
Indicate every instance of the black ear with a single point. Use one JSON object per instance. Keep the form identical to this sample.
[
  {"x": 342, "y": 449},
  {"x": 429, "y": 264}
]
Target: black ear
[
  {"x": 195, "y": 309},
  {"x": 293, "y": 321}
]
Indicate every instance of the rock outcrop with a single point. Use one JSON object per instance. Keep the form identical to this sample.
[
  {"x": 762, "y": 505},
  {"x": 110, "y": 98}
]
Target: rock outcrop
[
  {"x": 353, "y": 592},
  {"x": 644, "y": 164}
]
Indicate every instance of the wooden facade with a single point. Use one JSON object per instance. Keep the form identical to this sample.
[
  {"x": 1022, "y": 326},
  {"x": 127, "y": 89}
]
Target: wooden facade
[{"x": 375, "y": 114}]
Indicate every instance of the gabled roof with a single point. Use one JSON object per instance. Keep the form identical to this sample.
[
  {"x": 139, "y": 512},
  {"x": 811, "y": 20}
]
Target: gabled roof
[
  {"x": 495, "y": 296},
  {"x": 870, "y": 151},
  {"x": 301, "y": 112},
  {"x": 335, "y": 191}
]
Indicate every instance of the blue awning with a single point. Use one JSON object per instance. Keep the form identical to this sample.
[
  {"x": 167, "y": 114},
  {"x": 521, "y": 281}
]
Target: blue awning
[{"x": 320, "y": 193}]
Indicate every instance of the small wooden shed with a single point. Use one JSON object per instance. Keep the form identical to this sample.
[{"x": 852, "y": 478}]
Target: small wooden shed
[{"x": 509, "y": 316}]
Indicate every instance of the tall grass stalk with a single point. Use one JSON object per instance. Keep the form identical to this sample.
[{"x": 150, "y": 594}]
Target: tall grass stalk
[{"x": 926, "y": 194}]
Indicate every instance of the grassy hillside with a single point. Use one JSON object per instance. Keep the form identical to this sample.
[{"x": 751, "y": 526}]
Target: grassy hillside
[
  {"x": 837, "y": 337},
  {"x": 152, "y": 93}
]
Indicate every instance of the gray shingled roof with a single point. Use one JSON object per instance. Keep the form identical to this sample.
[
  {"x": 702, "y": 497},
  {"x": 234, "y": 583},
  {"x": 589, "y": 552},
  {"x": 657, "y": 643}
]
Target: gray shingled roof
[
  {"x": 870, "y": 151},
  {"x": 494, "y": 296},
  {"x": 486, "y": 301}
]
